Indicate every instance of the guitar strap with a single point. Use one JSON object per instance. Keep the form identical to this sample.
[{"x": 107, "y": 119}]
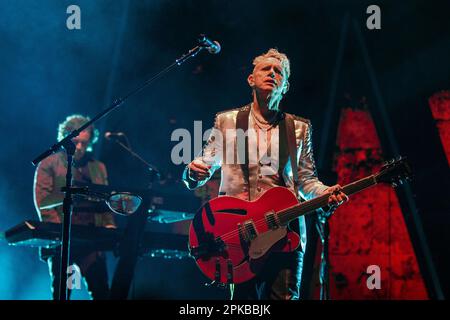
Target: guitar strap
[
  {"x": 288, "y": 147},
  {"x": 242, "y": 123},
  {"x": 292, "y": 146},
  {"x": 287, "y": 144}
]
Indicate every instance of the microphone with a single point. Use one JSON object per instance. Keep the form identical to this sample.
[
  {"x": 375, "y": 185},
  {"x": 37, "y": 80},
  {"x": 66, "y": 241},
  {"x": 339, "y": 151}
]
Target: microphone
[
  {"x": 109, "y": 135},
  {"x": 212, "y": 46}
]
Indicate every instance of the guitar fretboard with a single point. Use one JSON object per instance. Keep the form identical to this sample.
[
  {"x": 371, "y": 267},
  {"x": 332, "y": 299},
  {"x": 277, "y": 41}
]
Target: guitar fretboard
[{"x": 289, "y": 214}]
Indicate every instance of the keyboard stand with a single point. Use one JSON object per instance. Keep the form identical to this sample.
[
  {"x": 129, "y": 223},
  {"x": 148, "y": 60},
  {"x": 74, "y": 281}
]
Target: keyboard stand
[{"x": 128, "y": 250}]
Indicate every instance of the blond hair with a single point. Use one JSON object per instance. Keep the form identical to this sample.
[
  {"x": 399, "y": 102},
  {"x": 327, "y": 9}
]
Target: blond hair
[{"x": 274, "y": 53}]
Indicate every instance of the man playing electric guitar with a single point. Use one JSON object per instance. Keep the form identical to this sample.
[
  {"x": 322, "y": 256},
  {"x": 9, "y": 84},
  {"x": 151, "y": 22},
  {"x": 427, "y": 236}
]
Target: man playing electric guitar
[{"x": 248, "y": 170}]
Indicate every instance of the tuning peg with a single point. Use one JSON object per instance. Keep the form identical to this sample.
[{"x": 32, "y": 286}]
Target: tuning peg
[{"x": 394, "y": 185}]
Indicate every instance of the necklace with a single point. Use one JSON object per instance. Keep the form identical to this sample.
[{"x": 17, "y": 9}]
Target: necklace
[{"x": 263, "y": 123}]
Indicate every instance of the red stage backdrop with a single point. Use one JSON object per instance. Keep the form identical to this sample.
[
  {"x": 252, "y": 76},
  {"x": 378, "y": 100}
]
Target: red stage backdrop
[
  {"x": 440, "y": 108},
  {"x": 369, "y": 230}
]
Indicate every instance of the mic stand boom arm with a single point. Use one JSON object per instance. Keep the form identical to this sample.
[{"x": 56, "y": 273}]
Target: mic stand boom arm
[
  {"x": 69, "y": 146},
  {"x": 116, "y": 103},
  {"x": 150, "y": 167}
]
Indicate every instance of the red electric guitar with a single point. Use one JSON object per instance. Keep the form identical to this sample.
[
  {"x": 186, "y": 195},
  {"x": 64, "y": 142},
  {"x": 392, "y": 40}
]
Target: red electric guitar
[{"x": 230, "y": 238}]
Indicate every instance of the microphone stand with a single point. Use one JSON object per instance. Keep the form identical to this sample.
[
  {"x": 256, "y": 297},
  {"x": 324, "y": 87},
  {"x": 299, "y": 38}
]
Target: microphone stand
[
  {"x": 127, "y": 147},
  {"x": 323, "y": 228},
  {"x": 69, "y": 146}
]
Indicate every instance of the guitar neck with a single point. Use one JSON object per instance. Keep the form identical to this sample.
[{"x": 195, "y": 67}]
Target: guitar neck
[{"x": 289, "y": 214}]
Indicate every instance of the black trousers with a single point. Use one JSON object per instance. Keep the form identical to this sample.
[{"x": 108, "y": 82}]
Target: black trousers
[
  {"x": 278, "y": 280},
  {"x": 93, "y": 270}
]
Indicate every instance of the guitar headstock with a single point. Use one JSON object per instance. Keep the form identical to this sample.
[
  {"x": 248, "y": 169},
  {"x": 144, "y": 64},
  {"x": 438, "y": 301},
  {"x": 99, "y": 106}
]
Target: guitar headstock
[{"x": 394, "y": 172}]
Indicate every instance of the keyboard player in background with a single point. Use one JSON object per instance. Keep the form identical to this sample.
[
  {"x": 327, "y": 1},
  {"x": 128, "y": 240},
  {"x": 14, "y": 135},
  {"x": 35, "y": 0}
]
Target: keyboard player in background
[{"x": 48, "y": 180}]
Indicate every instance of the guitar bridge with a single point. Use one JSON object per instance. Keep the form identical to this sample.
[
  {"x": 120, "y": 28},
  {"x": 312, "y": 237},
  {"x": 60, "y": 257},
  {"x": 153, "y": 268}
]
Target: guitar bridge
[{"x": 208, "y": 249}]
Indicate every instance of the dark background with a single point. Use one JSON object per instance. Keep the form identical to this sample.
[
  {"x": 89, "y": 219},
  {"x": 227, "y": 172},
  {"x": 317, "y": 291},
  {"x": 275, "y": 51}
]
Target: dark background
[{"x": 48, "y": 72}]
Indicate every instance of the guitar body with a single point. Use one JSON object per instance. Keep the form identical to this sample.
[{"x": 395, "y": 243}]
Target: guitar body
[{"x": 230, "y": 238}]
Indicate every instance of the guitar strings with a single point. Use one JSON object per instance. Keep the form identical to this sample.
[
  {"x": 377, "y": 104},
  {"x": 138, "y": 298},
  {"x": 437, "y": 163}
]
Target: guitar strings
[
  {"x": 258, "y": 223},
  {"x": 307, "y": 206},
  {"x": 286, "y": 213}
]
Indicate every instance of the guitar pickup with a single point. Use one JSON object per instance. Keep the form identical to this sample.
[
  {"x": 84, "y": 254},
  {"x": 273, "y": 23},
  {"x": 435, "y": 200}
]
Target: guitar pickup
[
  {"x": 272, "y": 220},
  {"x": 247, "y": 231}
]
